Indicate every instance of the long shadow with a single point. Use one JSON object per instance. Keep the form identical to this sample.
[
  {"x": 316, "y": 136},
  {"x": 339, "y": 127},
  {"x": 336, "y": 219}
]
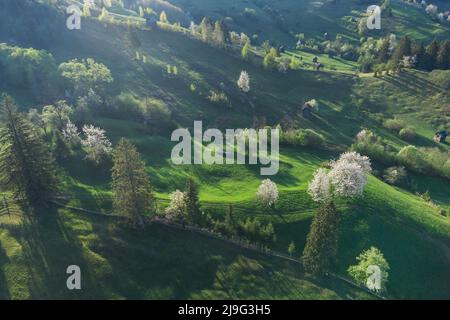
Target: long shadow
[
  {"x": 4, "y": 290},
  {"x": 49, "y": 248}
]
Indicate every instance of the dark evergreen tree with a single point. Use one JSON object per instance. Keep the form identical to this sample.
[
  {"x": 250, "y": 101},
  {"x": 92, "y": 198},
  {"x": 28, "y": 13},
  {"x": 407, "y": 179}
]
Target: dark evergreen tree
[
  {"x": 403, "y": 49},
  {"x": 418, "y": 50},
  {"x": 26, "y": 165},
  {"x": 218, "y": 35},
  {"x": 321, "y": 245},
  {"x": 132, "y": 192},
  {"x": 60, "y": 147},
  {"x": 383, "y": 53},
  {"x": 443, "y": 57},
  {"x": 431, "y": 55},
  {"x": 194, "y": 214},
  {"x": 206, "y": 29}
]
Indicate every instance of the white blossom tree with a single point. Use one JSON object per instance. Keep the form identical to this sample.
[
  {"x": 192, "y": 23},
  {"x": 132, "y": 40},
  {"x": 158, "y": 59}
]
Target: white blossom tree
[
  {"x": 431, "y": 9},
  {"x": 177, "y": 206},
  {"x": 244, "y": 81},
  {"x": 319, "y": 188},
  {"x": 70, "y": 133},
  {"x": 96, "y": 143},
  {"x": 354, "y": 157},
  {"x": 347, "y": 178},
  {"x": 267, "y": 193}
]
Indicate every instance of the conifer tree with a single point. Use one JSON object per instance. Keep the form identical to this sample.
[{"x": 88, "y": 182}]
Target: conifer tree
[
  {"x": 218, "y": 35},
  {"x": 26, "y": 165},
  {"x": 321, "y": 245},
  {"x": 193, "y": 211},
  {"x": 403, "y": 49},
  {"x": 245, "y": 51},
  {"x": 443, "y": 57},
  {"x": 418, "y": 50},
  {"x": 132, "y": 192},
  {"x": 432, "y": 54},
  {"x": 383, "y": 52},
  {"x": 163, "y": 17},
  {"x": 206, "y": 29}
]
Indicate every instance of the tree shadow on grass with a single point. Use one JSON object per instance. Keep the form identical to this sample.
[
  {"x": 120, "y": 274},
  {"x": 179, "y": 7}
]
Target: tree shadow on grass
[
  {"x": 4, "y": 291},
  {"x": 49, "y": 248}
]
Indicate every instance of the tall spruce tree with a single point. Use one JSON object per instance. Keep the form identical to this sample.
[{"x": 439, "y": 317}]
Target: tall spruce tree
[
  {"x": 418, "y": 50},
  {"x": 194, "y": 214},
  {"x": 443, "y": 57},
  {"x": 432, "y": 54},
  {"x": 206, "y": 29},
  {"x": 132, "y": 192},
  {"x": 321, "y": 245},
  {"x": 26, "y": 165},
  {"x": 218, "y": 35},
  {"x": 383, "y": 53},
  {"x": 403, "y": 49}
]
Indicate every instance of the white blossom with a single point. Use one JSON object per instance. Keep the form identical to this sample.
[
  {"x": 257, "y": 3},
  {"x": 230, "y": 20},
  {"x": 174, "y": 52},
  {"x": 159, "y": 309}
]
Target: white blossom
[
  {"x": 431, "y": 9},
  {"x": 244, "y": 81},
  {"x": 267, "y": 193},
  {"x": 177, "y": 204},
  {"x": 70, "y": 133},
  {"x": 354, "y": 157},
  {"x": 348, "y": 179},
  {"x": 408, "y": 61},
  {"x": 96, "y": 143},
  {"x": 363, "y": 135},
  {"x": 319, "y": 188}
]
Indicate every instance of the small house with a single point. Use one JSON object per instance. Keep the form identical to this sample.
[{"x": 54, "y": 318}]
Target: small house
[{"x": 441, "y": 136}]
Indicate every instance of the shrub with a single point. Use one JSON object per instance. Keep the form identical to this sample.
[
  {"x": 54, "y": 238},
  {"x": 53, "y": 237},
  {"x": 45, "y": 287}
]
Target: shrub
[
  {"x": 407, "y": 134},
  {"x": 303, "y": 138},
  {"x": 372, "y": 146},
  {"x": 217, "y": 97},
  {"x": 438, "y": 160},
  {"x": 414, "y": 159},
  {"x": 395, "y": 175},
  {"x": 393, "y": 125},
  {"x": 309, "y": 137},
  {"x": 126, "y": 105}
]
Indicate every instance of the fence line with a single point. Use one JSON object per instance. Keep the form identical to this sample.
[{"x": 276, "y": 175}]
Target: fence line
[{"x": 214, "y": 235}]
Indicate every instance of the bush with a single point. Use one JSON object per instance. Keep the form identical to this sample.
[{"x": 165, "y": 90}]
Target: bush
[
  {"x": 369, "y": 144},
  {"x": 438, "y": 160},
  {"x": 407, "y": 134},
  {"x": 414, "y": 159},
  {"x": 217, "y": 97},
  {"x": 126, "y": 105},
  {"x": 393, "y": 125},
  {"x": 395, "y": 175},
  {"x": 303, "y": 138}
]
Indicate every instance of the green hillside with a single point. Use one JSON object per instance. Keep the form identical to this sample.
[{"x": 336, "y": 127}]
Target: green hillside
[{"x": 121, "y": 262}]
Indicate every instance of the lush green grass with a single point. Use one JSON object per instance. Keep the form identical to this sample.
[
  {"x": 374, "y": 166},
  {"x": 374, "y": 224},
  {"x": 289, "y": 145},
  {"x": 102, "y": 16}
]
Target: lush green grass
[
  {"x": 156, "y": 263},
  {"x": 330, "y": 63},
  {"x": 162, "y": 263}
]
